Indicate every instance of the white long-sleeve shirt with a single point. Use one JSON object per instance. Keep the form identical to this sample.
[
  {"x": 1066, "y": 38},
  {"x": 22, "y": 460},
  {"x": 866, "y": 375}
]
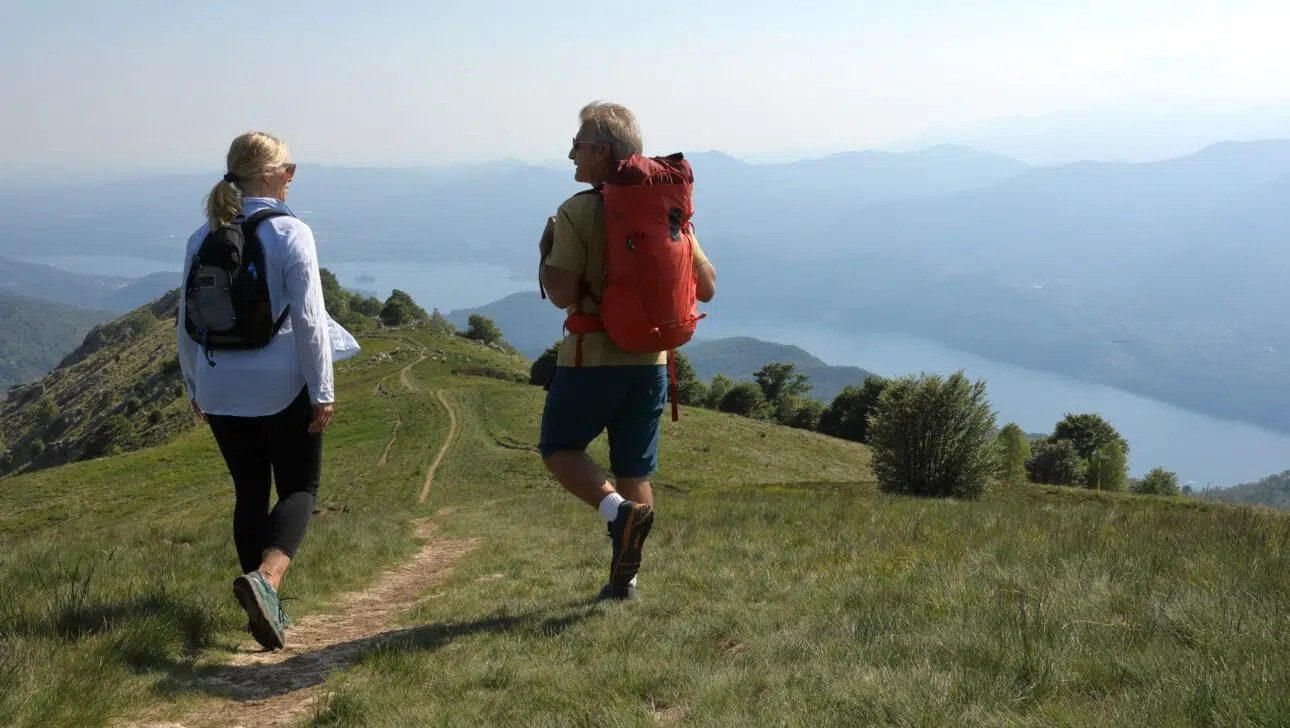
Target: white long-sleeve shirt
[{"x": 260, "y": 382}]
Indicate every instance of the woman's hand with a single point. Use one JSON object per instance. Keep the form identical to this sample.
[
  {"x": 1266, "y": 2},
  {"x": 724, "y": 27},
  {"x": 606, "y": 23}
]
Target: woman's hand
[
  {"x": 322, "y": 416},
  {"x": 197, "y": 410}
]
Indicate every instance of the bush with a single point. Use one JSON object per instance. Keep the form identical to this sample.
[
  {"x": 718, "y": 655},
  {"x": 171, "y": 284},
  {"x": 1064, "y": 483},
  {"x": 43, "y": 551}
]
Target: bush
[
  {"x": 133, "y": 405},
  {"x": 45, "y": 410},
  {"x": 807, "y": 416},
  {"x": 1014, "y": 451},
  {"x": 37, "y": 448},
  {"x": 440, "y": 324},
  {"x": 1056, "y": 463},
  {"x": 689, "y": 390},
  {"x": 745, "y": 398},
  {"x": 1157, "y": 482},
  {"x": 933, "y": 436},
  {"x": 482, "y": 328},
  {"x": 847, "y": 418},
  {"x": 717, "y": 390},
  {"x": 543, "y": 369}
]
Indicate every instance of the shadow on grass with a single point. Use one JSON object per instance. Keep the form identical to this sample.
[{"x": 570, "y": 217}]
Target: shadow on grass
[{"x": 263, "y": 681}]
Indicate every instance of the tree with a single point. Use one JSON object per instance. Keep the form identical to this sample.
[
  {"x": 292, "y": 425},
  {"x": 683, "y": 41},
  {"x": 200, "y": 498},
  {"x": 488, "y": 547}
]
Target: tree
[
  {"x": 440, "y": 324},
  {"x": 1188, "y": 490},
  {"x": 395, "y": 313},
  {"x": 1087, "y": 432},
  {"x": 933, "y": 436},
  {"x": 544, "y": 368},
  {"x": 689, "y": 390},
  {"x": 1158, "y": 482},
  {"x": 781, "y": 381},
  {"x": 1014, "y": 451},
  {"x": 807, "y": 415},
  {"x": 847, "y": 417},
  {"x": 717, "y": 390},
  {"x": 400, "y": 309},
  {"x": 745, "y": 398},
  {"x": 365, "y": 305},
  {"x": 45, "y": 410},
  {"x": 482, "y": 328},
  {"x": 1055, "y": 463},
  {"x": 1108, "y": 469}
]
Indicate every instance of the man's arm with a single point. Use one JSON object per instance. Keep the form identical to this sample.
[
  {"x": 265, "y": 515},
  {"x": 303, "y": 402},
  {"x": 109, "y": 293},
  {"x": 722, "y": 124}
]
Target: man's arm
[
  {"x": 706, "y": 278},
  {"x": 563, "y": 260},
  {"x": 561, "y": 285}
]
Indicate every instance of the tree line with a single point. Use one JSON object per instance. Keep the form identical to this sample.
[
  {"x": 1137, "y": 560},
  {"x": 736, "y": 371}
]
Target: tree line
[{"x": 931, "y": 435}]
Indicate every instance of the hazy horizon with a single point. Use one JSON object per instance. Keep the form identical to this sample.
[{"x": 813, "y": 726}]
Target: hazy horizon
[{"x": 107, "y": 92}]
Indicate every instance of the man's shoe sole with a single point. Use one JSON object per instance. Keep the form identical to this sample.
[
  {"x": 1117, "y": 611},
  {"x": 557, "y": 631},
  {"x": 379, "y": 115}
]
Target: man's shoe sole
[
  {"x": 260, "y": 624},
  {"x": 639, "y": 522}
]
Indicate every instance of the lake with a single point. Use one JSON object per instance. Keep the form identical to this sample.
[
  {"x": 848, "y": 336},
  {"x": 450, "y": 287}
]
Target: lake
[
  {"x": 447, "y": 286},
  {"x": 1201, "y": 449}
]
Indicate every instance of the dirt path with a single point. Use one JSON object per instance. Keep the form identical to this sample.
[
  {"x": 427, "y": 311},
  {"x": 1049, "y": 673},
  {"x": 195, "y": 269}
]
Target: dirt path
[
  {"x": 262, "y": 688},
  {"x": 403, "y": 373},
  {"x": 385, "y": 456},
  {"x": 443, "y": 450}
]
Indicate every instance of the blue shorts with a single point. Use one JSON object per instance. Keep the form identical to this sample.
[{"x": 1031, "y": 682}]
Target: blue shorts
[{"x": 583, "y": 402}]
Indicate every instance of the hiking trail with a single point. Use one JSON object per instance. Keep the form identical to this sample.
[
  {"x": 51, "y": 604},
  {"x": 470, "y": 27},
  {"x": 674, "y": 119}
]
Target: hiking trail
[
  {"x": 385, "y": 456},
  {"x": 274, "y": 688},
  {"x": 443, "y": 449},
  {"x": 262, "y": 688}
]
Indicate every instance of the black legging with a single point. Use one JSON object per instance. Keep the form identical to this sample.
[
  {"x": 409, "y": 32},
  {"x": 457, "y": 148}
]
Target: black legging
[{"x": 255, "y": 448}]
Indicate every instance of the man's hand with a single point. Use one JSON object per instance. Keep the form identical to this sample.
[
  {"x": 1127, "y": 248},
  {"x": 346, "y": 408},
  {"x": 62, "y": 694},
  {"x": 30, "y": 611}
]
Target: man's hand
[
  {"x": 322, "y": 416},
  {"x": 548, "y": 238},
  {"x": 197, "y": 410}
]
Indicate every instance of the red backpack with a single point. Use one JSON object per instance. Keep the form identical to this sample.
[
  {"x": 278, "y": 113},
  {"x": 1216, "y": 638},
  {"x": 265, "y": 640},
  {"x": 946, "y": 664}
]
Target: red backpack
[{"x": 649, "y": 303}]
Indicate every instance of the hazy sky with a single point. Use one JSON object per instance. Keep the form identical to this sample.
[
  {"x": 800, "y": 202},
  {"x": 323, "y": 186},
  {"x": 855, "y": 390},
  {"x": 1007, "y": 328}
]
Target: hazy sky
[{"x": 95, "y": 87}]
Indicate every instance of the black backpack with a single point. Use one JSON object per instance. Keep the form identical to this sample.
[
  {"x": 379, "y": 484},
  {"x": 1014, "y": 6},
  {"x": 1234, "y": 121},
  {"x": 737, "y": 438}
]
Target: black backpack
[{"x": 226, "y": 296}]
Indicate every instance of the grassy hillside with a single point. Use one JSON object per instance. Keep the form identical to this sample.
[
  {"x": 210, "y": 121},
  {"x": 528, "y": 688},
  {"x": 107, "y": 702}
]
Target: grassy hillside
[
  {"x": 119, "y": 390},
  {"x": 35, "y": 334},
  {"x": 779, "y": 587}
]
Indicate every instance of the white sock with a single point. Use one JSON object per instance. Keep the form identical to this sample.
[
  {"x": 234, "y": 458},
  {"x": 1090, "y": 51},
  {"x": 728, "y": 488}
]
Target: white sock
[
  {"x": 632, "y": 582},
  {"x": 609, "y": 506}
]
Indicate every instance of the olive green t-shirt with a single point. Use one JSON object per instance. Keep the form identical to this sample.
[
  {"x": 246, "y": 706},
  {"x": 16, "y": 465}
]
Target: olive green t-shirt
[{"x": 578, "y": 246}]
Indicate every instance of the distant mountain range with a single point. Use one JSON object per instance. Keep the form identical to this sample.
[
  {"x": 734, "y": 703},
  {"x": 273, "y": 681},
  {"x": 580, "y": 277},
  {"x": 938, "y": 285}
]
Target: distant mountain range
[
  {"x": 1163, "y": 278},
  {"x": 107, "y": 293},
  {"x": 35, "y": 335}
]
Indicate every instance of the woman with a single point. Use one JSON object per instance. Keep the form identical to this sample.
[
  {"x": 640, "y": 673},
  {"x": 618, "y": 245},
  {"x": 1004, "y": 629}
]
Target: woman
[{"x": 266, "y": 407}]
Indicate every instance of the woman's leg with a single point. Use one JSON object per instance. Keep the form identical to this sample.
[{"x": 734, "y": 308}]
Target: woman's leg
[
  {"x": 296, "y": 455},
  {"x": 247, "y": 458}
]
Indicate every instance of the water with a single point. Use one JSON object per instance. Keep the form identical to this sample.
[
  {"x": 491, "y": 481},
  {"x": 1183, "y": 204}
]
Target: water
[
  {"x": 447, "y": 286},
  {"x": 1201, "y": 449}
]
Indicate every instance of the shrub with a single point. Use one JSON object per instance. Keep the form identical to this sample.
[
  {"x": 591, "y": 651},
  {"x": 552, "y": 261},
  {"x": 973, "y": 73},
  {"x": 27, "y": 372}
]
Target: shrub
[
  {"x": 1157, "y": 482},
  {"x": 933, "y": 436},
  {"x": 745, "y": 398},
  {"x": 1056, "y": 463}
]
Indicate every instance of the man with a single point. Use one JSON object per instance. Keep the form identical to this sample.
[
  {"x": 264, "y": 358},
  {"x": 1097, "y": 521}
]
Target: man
[{"x": 597, "y": 385}]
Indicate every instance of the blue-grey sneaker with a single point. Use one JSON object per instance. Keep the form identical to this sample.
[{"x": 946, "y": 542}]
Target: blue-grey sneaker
[{"x": 263, "y": 609}]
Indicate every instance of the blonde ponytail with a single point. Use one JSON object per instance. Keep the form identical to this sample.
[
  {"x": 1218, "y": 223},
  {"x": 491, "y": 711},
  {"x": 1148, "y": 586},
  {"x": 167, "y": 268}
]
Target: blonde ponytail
[
  {"x": 249, "y": 156},
  {"x": 223, "y": 204}
]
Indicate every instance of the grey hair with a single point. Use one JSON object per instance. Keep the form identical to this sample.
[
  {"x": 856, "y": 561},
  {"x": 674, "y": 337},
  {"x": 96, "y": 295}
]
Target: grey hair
[{"x": 615, "y": 125}]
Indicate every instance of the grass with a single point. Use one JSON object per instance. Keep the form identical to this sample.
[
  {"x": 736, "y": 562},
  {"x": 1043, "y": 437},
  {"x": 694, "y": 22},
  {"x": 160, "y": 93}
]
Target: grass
[{"x": 779, "y": 588}]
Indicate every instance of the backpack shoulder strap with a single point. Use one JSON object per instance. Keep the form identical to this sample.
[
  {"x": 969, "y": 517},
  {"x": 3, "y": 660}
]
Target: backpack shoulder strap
[{"x": 257, "y": 249}]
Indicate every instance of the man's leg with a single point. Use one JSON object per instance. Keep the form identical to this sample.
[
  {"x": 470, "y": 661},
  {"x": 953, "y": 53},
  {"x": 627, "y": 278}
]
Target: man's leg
[
  {"x": 575, "y": 414},
  {"x": 633, "y": 454}
]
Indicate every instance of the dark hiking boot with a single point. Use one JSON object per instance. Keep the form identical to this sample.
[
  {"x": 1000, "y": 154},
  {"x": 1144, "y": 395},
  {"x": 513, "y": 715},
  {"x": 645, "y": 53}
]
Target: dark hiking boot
[
  {"x": 610, "y": 592},
  {"x": 627, "y": 533}
]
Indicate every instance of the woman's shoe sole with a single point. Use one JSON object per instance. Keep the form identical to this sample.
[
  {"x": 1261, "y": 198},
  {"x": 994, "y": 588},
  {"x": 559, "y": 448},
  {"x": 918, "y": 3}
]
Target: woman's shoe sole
[{"x": 260, "y": 624}]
